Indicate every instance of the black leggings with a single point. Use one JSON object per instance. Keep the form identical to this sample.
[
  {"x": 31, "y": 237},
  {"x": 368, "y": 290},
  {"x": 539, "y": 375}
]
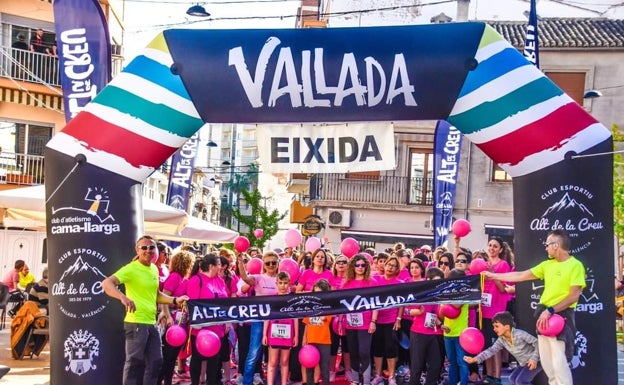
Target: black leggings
[{"x": 170, "y": 357}]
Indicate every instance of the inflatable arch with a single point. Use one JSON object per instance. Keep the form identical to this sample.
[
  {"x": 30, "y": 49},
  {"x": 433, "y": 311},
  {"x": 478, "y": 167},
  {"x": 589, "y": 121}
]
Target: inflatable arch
[{"x": 462, "y": 72}]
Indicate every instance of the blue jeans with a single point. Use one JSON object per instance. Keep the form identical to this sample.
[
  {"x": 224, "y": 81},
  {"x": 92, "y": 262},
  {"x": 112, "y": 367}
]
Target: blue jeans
[
  {"x": 455, "y": 354},
  {"x": 143, "y": 354},
  {"x": 254, "y": 352},
  {"x": 523, "y": 376}
]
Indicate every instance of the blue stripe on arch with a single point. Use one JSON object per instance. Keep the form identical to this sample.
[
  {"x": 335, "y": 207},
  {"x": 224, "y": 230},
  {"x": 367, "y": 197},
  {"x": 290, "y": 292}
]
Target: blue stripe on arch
[
  {"x": 503, "y": 62},
  {"x": 158, "y": 74}
]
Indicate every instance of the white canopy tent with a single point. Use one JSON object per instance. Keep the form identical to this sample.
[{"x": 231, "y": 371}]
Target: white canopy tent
[{"x": 24, "y": 208}]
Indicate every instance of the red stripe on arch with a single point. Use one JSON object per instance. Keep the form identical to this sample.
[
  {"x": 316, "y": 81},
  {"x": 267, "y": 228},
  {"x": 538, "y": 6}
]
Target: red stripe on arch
[
  {"x": 101, "y": 135},
  {"x": 548, "y": 133}
]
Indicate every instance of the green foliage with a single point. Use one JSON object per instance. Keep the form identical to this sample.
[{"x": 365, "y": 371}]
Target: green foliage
[
  {"x": 618, "y": 184},
  {"x": 260, "y": 218}
]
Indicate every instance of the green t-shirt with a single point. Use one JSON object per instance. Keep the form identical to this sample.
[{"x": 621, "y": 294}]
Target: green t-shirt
[
  {"x": 457, "y": 325},
  {"x": 558, "y": 277},
  {"x": 142, "y": 287}
]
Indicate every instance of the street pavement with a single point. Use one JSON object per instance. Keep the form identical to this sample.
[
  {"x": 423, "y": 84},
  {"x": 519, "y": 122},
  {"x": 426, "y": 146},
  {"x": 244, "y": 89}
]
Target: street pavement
[{"x": 36, "y": 371}]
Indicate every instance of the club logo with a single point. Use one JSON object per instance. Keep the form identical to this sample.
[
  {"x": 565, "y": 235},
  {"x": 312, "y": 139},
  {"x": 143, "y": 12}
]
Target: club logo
[
  {"x": 569, "y": 207},
  {"x": 92, "y": 216},
  {"x": 306, "y": 305},
  {"x": 445, "y": 203},
  {"x": 80, "y": 348},
  {"x": 79, "y": 288}
]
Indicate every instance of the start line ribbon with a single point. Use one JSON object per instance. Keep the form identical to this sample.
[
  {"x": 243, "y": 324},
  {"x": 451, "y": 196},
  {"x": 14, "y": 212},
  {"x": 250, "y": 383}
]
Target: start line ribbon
[{"x": 261, "y": 308}]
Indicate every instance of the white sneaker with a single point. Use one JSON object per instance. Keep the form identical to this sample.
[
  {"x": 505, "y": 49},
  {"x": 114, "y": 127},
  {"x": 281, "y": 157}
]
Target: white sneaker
[
  {"x": 378, "y": 380},
  {"x": 392, "y": 381},
  {"x": 257, "y": 380}
]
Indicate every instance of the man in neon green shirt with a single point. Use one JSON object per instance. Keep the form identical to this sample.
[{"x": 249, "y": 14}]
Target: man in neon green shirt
[
  {"x": 564, "y": 280},
  {"x": 143, "y": 344}
]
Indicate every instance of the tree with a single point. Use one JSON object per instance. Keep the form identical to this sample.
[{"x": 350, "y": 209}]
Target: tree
[
  {"x": 618, "y": 185},
  {"x": 260, "y": 218}
]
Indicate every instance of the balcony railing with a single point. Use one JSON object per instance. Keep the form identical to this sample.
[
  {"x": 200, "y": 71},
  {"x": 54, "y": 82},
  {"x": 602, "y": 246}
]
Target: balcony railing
[
  {"x": 396, "y": 190},
  {"x": 36, "y": 67},
  {"x": 21, "y": 168}
]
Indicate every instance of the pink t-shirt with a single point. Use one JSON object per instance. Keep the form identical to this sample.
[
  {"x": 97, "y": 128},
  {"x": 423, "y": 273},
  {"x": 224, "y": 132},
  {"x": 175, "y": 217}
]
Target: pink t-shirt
[
  {"x": 359, "y": 320},
  {"x": 405, "y": 276},
  {"x": 10, "y": 278},
  {"x": 425, "y": 323},
  {"x": 337, "y": 282},
  {"x": 309, "y": 278},
  {"x": 281, "y": 333},
  {"x": 264, "y": 285},
  {"x": 210, "y": 287},
  {"x": 388, "y": 316},
  {"x": 175, "y": 284},
  {"x": 163, "y": 273},
  {"x": 492, "y": 300}
]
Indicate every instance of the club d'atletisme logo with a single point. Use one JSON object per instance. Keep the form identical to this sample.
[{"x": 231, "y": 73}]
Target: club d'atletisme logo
[
  {"x": 445, "y": 204},
  {"x": 92, "y": 215},
  {"x": 569, "y": 207},
  {"x": 80, "y": 348},
  {"x": 79, "y": 288}
]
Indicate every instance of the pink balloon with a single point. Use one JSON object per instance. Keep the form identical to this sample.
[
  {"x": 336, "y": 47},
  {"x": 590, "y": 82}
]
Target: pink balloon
[
  {"x": 478, "y": 265},
  {"x": 461, "y": 228},
  {"x": 472, "y": 340},
  {"x": 258, "y": 233},
  {"x": 293, "y": 238},
  {"x": 349, "y": 247},
  {"x": 175, "y": 335},
  {"x": 208, "y": 343},
  {"x": 309, "y": 356},
  {"x": 312, "y": 244},
  {"x": 241, "y": 244},
  {"x": 338, "y": 325},
  {"x": 554, "y": 326},
  {"x": 449, "y": 311},
  {"x": 254, "y": 266},
  {"x": 290, "y": 266}
]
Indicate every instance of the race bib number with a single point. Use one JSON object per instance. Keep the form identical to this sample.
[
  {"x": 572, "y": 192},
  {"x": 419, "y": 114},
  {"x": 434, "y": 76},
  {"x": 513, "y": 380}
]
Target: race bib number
[
  {"x": 317, "y": 321},
  {"x": 486, "y": 299},
  {"x": 355, "y": 319},
  {"x": 430, "y": 320},
  {"x": 280, "y": 331}
]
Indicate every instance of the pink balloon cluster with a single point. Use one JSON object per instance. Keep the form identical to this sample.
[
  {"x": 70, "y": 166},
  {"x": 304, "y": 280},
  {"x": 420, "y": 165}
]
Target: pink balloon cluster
[
  {"x": 241, "y": 244},
  {"x": 312, "y": 244},
  {"x": 254, "y": 266},
  {"x": 290, "y": 266}
]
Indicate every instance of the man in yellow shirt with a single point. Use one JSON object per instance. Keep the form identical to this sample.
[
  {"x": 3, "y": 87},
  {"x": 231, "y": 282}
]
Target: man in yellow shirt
[
  {"x": 25, "y": 277},
  {"x": 564, "y": 280}
]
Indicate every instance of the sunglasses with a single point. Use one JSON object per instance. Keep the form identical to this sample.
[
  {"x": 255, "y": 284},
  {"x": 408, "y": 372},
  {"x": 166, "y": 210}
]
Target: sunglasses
[
  {"x": 461, "y": 261},
  {"x": 546, "y": 244},
  {"x": 150, "y": 247},
  {"x": 444, "y": 263},
  {"x": 341, "y": 262},
  {"x": 360, "y": 265},
  {"x": 391, "y": 266},
  {"x": 270, "y": 263}
]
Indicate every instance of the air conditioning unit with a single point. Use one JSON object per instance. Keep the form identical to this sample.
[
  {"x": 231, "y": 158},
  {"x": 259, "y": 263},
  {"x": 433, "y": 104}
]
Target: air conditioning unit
[{"x": 339, "y": 218}]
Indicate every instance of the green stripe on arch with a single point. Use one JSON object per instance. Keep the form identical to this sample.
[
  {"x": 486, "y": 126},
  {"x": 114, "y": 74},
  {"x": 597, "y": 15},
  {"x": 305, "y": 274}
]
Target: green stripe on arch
[
  {"x": 490, "y": 113},
  {"x": 158, "y": 115}
]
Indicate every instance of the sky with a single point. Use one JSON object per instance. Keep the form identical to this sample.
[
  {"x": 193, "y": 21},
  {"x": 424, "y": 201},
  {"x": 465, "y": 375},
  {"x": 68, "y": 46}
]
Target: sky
[
  {"x": 146, "y": 18},
  {"x": 168, "y": 14}
]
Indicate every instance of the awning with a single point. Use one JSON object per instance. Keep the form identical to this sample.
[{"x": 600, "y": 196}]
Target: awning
[
  {"x": 30, "y": 98},
  {"x": 499, "y": 230}
]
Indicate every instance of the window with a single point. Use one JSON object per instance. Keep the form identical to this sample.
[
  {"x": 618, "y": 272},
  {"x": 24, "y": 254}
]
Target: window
[
  {"x": 572, "y": 83},
  {"x": 421, "y": 177},
  {"x": 499, "y": 175}
]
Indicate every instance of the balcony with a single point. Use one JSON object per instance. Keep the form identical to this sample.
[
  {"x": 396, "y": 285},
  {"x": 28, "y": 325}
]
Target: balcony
[
  {"x": 21, "y": 169},
  {"x": 36, "y": 67},
  {"x": 375, "y": 189}
]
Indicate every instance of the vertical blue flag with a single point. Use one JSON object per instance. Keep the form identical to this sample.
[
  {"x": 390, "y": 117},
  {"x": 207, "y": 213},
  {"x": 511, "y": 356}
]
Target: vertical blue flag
[
  {"x": 181, "y": 174},
  {"x": 84, "y": 52},
  {"x": 447, "y": 150},
  {"x": 531, "y": 40}
]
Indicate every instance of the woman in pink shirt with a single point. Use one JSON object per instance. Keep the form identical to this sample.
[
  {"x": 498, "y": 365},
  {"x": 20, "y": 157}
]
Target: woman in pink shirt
[
  {"x": 388, "y": 321},
  {"x": 493, "y": 300},
  {"x": 320, "y": 269},
  {"x": 360, "y": 325},
  {"x": 339, "y": 341},
  {"x": 205, "y": 283}
]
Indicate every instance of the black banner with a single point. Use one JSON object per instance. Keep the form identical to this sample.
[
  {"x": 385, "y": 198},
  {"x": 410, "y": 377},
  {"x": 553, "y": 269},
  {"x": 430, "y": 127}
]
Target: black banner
[
  {"x": 574, "y": 195},
  {"x": 213, "y": 311}
]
